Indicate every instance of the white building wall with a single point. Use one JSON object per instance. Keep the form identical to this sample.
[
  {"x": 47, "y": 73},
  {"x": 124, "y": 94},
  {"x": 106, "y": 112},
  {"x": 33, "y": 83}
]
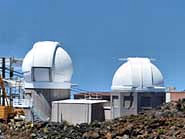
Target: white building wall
[
  {"x": 168, "y": 97},
  {"x": 72, "y": 113}
]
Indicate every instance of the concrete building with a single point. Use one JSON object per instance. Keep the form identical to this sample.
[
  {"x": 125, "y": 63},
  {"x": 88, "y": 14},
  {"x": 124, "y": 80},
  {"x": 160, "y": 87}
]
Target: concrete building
[
  {"x": 137, "y": 85},
  {"x": 169, "y": 90},
  {"x": 98, "y": 96},
  {"x": 175, "y": 95},
  {"x": 77, "y": 111},
  {"x": 47, "y": 72}
]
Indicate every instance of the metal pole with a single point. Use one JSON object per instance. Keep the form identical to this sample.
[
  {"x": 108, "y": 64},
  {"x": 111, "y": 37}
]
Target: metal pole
[
  {"x": 3, "y": 76},
  {"x": 11, "y": 77},
  {"x": 3, "y": 67}
]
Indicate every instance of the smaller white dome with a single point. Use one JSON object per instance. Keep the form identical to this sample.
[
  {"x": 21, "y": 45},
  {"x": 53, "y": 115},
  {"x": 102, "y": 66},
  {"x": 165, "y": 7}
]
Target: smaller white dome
[
  {"x": 47, "y": 65},
  {"x": 138, "y": 74}
]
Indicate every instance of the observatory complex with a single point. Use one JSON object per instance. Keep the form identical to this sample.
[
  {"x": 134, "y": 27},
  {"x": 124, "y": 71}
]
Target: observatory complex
[
  {"x": 137, "y": 85},
  {"x": 47, "y": 72}
]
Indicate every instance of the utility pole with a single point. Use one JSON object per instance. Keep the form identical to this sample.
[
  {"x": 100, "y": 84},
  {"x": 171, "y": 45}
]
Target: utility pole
[
  {"x": 11, "y": 77},
  {"x": 3, "y": 76},
  {"x": 3, "y": 68}
]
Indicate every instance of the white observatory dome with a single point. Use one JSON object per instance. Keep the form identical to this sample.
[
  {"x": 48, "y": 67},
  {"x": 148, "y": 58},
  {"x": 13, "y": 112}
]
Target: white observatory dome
[
  {"x": 138, "y": 74},
  {"x": 47, "y": 65}
]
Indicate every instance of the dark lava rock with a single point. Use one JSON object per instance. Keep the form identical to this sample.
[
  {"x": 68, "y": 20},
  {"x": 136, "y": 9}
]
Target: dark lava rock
[{"x": 166, "y": 122}]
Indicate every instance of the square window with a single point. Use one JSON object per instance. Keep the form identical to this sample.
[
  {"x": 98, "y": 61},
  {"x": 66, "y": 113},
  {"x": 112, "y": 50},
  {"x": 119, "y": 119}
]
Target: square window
[
  {"x": 127, "y": 101},
  {"x": 41, "y": 74}
]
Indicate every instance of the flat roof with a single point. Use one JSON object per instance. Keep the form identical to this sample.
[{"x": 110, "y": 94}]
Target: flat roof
[
  {"x": 93, "y": 94},
  {"x": 79, "y": 101},
  {"x": 176, "y": 92}
]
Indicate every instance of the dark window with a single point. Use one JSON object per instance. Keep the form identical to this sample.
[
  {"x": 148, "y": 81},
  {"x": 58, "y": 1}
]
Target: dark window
[
  {"x": 115, "y": 97},
  {"x": 127, "y": 101}
]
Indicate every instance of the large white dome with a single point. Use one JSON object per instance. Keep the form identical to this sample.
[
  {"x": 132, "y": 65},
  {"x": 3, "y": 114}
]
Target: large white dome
[
  {"x": 138, "y": 74},
  {"x": 47, "y": 65}
]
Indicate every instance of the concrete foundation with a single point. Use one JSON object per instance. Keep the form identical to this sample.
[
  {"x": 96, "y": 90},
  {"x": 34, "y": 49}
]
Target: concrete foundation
[
  {"x": 42, "y": 101},
  {"x": 128, "y": 103}
]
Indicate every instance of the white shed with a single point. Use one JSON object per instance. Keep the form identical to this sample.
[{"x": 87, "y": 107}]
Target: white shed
[{"x": 78, "y": 110}]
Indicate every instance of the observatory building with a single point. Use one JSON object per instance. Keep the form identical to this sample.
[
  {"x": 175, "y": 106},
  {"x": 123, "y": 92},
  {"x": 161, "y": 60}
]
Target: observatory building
[
  {"x": 137, "y": 85},
  {"x": 47, "y": 72}
]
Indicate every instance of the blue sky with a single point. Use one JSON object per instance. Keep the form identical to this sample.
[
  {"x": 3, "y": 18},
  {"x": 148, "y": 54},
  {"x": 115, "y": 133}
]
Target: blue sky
[{"x": 96, "y": 33}]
